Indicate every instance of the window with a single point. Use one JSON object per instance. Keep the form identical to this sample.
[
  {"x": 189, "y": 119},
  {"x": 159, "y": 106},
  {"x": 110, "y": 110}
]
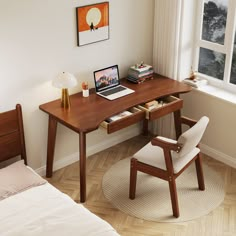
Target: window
[{"x": 215, "y": 56}]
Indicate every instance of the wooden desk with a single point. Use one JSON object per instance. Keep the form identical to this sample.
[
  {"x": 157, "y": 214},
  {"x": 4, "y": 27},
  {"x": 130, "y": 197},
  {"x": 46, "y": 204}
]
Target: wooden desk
[{"x": 86, "y": 114}]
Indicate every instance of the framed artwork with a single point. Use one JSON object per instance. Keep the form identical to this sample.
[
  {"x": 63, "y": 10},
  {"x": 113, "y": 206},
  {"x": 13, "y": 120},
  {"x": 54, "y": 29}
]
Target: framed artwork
[{"x": 92, "y": 23}]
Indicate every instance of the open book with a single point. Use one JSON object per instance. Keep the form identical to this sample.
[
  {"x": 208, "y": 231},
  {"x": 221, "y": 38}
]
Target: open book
[
  {"x": 196, "y": 83},
  {"x": 119, "y": 116}
]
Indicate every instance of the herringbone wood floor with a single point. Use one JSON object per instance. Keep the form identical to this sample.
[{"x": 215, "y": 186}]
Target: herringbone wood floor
[{"x": 220, "y": 222}]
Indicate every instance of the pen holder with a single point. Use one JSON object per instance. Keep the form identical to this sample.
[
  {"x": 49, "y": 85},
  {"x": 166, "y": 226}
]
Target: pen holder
[
  {"x": 85, "y": 89},
  {"x": 85, "y": 92}
]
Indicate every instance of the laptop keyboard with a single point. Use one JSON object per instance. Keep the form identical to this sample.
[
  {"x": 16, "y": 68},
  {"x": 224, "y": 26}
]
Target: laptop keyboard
[{"x": 114, "y": 90}]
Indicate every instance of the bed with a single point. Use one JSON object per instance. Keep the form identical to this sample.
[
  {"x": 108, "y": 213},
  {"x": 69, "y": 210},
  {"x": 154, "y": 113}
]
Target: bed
[{"x": 29, "y": 205}]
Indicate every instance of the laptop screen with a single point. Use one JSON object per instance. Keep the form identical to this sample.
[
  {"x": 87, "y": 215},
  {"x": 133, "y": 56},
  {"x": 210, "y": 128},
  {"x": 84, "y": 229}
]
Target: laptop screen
[{"x": 106, "y": 78}]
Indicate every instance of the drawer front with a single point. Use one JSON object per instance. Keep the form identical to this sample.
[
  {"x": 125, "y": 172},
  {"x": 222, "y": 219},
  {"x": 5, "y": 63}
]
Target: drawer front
[
  {"x": 113, "y": 126},
  {"x": 170, "y": 104}
]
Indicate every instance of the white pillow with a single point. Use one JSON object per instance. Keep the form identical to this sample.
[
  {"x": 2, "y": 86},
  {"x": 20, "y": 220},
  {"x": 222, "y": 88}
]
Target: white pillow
[{"x": 16, "y": 178}]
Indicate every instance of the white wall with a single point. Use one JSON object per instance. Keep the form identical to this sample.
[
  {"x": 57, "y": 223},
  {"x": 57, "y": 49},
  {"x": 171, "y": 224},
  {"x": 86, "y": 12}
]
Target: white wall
[
  {"x": 38, "y": 40},
  {"x": 219, "y": 138}
]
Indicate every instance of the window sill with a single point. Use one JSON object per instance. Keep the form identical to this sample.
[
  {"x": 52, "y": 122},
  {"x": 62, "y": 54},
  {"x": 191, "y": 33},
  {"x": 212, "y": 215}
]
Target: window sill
[{"x": 217, "y": 92}]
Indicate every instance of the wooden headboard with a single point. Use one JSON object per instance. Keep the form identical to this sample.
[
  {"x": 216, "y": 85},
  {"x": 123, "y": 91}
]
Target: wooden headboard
[{"x": 12, "y": 141}]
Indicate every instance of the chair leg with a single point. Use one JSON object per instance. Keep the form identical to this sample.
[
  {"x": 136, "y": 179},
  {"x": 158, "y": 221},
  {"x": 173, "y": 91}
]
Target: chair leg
[
  {"x": 174, "y": 198},
  {"x": 133, "y": 178},
  {"x": 199, "y": 170}
]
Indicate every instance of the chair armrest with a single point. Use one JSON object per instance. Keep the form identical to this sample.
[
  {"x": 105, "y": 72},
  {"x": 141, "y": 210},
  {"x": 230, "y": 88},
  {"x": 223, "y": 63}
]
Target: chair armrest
[
  {"x": 187, "y": 121},
  {"x": 158, "y": 141}
]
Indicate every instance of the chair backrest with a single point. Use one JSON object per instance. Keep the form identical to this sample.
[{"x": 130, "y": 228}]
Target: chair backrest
[
  {"x": 12, "y": 141},
  {"x": 191, "y": 138}
]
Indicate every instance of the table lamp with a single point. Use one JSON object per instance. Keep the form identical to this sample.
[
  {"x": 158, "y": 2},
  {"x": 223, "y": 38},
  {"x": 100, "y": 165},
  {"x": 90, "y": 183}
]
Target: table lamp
[{"x": 64, "y": 81}]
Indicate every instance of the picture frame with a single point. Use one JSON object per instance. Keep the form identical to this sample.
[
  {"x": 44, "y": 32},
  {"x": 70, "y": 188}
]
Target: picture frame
[{"x": 92, "y": 23}]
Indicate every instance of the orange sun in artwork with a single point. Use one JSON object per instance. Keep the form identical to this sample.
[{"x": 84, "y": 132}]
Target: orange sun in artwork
[{"x": 92, "y": 16}]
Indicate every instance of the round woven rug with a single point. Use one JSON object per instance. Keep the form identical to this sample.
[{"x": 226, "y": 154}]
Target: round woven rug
[{"x": 152, "y": 201}]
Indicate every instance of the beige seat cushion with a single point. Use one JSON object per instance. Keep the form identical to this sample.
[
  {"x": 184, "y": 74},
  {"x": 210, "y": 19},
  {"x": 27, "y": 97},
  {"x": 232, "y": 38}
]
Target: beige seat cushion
[{"x": 154, "y": 156}]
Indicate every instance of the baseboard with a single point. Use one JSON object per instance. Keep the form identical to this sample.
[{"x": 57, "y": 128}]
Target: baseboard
[
  {"x": 109, "y": 142},
  {"x": 219, "y": 156},
  {"x": 222, "y": 157}
]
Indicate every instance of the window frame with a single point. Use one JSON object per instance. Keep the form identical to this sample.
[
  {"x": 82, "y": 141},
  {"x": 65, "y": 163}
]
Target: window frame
[{"x": 226, "y": 49}]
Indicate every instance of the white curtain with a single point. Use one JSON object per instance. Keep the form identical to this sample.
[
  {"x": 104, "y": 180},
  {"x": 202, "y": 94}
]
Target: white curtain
[
  {"x": 167, "y": 31},
  {"x": 166, "y": 50}
]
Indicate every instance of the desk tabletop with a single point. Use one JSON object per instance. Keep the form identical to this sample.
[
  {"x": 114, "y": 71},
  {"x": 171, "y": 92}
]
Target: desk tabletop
[{"x": 86, "y": 113}]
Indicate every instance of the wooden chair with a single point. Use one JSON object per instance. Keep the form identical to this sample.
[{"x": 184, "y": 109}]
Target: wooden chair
[
  {"x": 167, "y": 159},
  {"x": 12, "y": 141}
]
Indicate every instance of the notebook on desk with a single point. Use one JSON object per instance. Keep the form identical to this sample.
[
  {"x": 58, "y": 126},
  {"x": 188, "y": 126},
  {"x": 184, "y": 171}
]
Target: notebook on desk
[{"x": 107, "y": 83}]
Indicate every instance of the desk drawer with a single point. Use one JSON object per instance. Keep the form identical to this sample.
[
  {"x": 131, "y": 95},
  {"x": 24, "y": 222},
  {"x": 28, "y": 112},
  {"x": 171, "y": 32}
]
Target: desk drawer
[
  {"x": 134, "y": 115},
  {"x": 165, "y": 106}
]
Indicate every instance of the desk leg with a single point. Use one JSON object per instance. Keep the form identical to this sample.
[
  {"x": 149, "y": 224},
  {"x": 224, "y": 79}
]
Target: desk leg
[
  {"x": 82, "y": 162},
  {"x": 52, "y": 131},
  {"x": 178, "y": 129},
  {"x": 145, "y": 127}
]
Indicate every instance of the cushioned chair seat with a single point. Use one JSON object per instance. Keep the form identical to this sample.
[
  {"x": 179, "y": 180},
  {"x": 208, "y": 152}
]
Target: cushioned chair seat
[{"x": 154, "y": 156}]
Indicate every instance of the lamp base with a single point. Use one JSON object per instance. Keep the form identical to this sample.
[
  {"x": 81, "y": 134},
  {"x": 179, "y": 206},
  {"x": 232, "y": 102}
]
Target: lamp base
[{"x": 65, "y": 99}]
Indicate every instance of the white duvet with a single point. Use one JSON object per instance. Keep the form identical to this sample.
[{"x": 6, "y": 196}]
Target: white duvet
[{"x": 44, "y": 211}]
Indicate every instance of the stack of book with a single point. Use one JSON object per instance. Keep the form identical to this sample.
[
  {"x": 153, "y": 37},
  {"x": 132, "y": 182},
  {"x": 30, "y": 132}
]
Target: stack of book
[{"x": 140, "y": 73}]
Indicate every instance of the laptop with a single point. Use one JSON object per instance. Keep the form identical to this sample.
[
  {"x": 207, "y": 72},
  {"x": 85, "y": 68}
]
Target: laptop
[{"x": 107, "y": 83}]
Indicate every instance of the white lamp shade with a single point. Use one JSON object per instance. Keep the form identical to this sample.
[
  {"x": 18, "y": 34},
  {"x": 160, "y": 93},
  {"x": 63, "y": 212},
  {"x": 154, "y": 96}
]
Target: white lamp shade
[{"x": 64, "y": 80}]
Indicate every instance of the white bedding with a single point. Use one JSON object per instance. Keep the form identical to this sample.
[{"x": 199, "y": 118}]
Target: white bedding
[{"x": 29, "y": 214}]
